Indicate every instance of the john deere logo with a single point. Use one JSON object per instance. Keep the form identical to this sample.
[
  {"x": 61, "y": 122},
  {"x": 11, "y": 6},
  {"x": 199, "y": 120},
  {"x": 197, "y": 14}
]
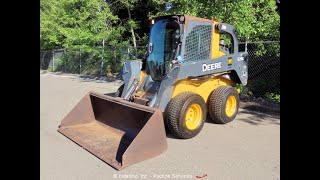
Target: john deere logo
[{"x": 209, "y": 67}]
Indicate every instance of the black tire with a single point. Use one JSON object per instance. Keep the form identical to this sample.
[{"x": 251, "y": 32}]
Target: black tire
[
  {"x": 118, "y": 93},
  {"x": 176, "y": 111},
  {"x": 217, "y": 104}
]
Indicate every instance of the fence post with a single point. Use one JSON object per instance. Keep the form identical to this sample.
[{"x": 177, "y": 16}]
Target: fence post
[
  {"x": 246, "y": 47},
  {"x": 80, "y": 60},
  {"x": 65, "y": 60},
  {"x": 41, "y": 63},
  {"x": 128, "y": 51},
  {"x": 102, "y": 57},
  {"x": 52, "y": 61}
]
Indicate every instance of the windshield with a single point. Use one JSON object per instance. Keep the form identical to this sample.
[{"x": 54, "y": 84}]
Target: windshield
[{"x": 163, "y": 45}]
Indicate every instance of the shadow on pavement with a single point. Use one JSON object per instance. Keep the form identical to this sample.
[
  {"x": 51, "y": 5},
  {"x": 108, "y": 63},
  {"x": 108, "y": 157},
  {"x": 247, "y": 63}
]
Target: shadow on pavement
[
  {"x": 98, "y": 79},
  {"x": 86, "y": 78},
  {"x": 256, "y": 114}
]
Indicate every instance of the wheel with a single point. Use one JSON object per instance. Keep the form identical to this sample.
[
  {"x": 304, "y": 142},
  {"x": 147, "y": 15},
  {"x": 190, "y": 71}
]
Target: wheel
[
  {"x": 185, "y": 115},
  {"x": 223, "y": 104},
  {"x": 118, "y": 93}
]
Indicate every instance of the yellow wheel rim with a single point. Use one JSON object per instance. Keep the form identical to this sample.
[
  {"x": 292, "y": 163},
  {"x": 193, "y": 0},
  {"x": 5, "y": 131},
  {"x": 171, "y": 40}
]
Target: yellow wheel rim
[
  {"x": 193, "y": 116},
  {"x": 231, "y": 106}
]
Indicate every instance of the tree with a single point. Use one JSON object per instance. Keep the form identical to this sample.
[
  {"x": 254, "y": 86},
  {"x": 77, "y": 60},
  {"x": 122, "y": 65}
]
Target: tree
[
  {"x": 80, "y": 24},
  {"x": 49, "y": 36},
  {"x": 117, "y": 5},
  {"x": 254, "y": 19},
  {"x": 77, "y": 23}
]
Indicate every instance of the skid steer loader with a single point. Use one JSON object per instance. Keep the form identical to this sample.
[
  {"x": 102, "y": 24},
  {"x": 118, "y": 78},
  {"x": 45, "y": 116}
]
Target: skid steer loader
[{"x": 187, "y": 73}]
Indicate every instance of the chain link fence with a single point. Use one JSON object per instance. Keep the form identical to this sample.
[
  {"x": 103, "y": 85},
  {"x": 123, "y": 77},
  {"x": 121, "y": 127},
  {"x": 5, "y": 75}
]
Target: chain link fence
[
  {"x": 93, "y": 61},
  {"x": 263, "y": 64},
  {"x": 263, "y": 69}
]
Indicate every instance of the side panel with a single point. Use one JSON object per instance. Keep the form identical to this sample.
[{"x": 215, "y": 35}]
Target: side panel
[
  {"x": 211, "y": 66},
  {"x": 201, "y": 87},
  {"x": 201, "y": 68}
]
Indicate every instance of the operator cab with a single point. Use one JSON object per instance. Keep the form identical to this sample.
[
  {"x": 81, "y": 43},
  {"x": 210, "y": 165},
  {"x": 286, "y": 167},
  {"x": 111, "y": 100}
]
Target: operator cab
[{"x": 164, "y": 45}]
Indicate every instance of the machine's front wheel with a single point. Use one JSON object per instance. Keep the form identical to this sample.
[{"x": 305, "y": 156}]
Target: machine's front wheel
[
  {"x": 224, "y": 104},
  {"x": 185, "y": 115}
]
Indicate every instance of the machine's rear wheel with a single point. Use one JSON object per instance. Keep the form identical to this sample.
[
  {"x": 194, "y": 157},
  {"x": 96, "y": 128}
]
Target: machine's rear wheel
[
  {"x": 224, "y": 104},
  {"x": 185, "y": 115}
]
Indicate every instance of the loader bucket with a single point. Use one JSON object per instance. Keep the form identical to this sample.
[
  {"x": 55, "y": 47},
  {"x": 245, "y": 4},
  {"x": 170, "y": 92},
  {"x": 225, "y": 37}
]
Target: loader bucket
[{"x": 118, "y": 132}]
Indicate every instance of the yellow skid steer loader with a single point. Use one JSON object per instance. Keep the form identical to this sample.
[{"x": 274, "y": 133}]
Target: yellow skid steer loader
[{"x": 189, "y": 71}]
